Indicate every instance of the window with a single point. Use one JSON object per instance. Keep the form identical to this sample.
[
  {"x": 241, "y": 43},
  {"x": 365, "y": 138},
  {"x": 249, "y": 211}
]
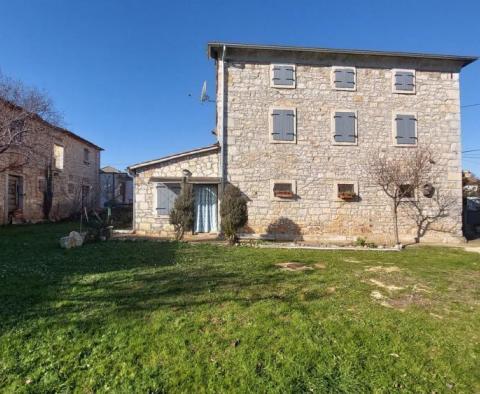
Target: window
[
  {"x": 166, "y": 195},
  {"x": 283, "y": 190},
  {"x": 345, "y": 127},
  {"x": 86, "y": 156},
  {"x": 344, "y": 78},
  {"x": 58, "y": 156},
  {"x": 406, "y": 192},
  {"x": 405, "y": 129},
  {"x": 345, "y": 190},
  {"x": 283, "y": 125},
  {"x": 17, "y": 128},
  {"x": 282, "y": 76},
  {"x": 71, "y": 188},
  {"x": 403, "y": 81}
]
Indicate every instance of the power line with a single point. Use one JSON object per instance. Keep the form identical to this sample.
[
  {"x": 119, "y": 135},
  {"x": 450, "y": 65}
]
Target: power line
[
  {"x": 471, "y": 150},
  {"x": 470, "y": 105}
]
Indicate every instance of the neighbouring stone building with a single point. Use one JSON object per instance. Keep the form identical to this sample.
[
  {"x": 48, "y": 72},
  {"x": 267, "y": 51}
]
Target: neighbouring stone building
[
  {"x": 295, "y": 127},
  {"x": 60, "y": 161},
  {"x": 116, "y": 187}
]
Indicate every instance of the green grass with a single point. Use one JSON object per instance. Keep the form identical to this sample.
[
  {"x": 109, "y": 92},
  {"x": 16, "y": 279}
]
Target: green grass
[{"x": 155, "y": 317}]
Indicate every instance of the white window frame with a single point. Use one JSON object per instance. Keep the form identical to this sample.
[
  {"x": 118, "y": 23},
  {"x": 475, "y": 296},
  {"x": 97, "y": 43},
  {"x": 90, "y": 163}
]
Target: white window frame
[
  {"x": 272, "y": 83},
  {"x": 344, "y": 181},
  {"x": 394, "y": 88},
  {"x": 332, "y": 78},
  {"x": 294, "y": 189},
  {"x": 55, "y": 158},
  {"x": 394, "y": 128},
  {"x": 332, "y": 127},
  {"x": 270, "y": 124}
]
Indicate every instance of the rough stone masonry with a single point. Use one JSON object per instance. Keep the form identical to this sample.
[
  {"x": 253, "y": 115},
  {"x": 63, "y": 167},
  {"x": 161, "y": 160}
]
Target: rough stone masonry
[{"x": 313, "y": 163}]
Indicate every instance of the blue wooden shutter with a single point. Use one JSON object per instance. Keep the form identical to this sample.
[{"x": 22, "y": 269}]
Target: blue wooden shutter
[
  {"x": 283, "y": 75},
  {"x": 405, "y": 129},
  {"x": 283, "y": 124},
  {"x": 162, "y": 199},
  {"x": 166, "y": 196},
  {"x": 344, "y": 78},
  {"x": 344, "y": 127},
  {"x": 404, "y": 80}
]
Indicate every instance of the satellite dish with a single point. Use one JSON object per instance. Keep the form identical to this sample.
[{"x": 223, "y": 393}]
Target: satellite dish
[{"x": 204, "y": 97}]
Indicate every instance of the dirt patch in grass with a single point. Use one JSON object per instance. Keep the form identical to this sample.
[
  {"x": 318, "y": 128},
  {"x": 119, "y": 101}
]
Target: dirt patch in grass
[
  {"x": 291, "y": 266},
  {"x": 380, "y": 268},
  {"x": 385, "y": 286}
]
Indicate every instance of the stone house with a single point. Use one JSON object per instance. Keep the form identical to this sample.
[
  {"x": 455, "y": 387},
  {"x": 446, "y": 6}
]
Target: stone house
[
  {"x": 116, "y": 187},
  {"x": 295, "y": 127},
  {"x": 61, "y": 161}
]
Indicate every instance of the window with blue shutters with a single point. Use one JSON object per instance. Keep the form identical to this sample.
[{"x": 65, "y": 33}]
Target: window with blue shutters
[
  {"x": 403, "y": 81},
  {"x": 344, "y": 78},
  {"x": 405, "y": 129},
  {"x": 166, "y": 195},
  {"x": 345, "y": 127},
  {"x": 282, "y": 75},
  {"x": 283, "y": 125}
]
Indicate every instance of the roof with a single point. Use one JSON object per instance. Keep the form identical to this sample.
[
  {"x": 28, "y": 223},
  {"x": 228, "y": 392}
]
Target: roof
[
  {"x": 210, "y": 148},
  {"x": 110, "y": 170},
  {"x": 57, "y": 128},
  {"x": 215, "y": 48}
]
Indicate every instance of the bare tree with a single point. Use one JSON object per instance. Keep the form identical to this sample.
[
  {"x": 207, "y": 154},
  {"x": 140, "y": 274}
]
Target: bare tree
[
  {"x": 23, "y": 113},
  {"x": 400, "y": 177}
]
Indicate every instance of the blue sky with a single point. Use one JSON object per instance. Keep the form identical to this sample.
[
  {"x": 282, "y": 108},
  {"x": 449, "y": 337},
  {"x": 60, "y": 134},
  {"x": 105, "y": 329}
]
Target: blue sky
[{"x": 127, "y": 74}]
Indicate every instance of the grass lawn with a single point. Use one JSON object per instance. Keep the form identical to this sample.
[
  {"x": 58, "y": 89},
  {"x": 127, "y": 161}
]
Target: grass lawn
[{"x": 170, "y": 317}]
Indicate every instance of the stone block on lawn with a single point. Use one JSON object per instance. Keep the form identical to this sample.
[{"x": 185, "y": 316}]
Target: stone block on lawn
[{"x": 72, "y": 240}]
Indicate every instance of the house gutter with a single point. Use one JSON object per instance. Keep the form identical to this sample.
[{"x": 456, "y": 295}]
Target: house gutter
[{"x": 222, "y": 120}]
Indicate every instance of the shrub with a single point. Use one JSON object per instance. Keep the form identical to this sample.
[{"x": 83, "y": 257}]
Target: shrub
[
  {"x": 233, "y": 211},
  {"x": 181, "y": 216},
  {"x": 98, "y": 226}
]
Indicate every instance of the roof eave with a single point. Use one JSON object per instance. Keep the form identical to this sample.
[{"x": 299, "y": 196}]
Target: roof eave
[
  {"x": 214, "y": 47},
  {"x": 206, "y": 149}
]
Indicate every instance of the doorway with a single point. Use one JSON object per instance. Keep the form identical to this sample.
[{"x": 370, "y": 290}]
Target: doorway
[
  {"x": 206, "y": 202},
  {"x": 15, "y": 194}
]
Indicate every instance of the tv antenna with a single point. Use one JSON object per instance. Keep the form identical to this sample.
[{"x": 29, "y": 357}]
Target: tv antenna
[{"x": 204, "y": 97}]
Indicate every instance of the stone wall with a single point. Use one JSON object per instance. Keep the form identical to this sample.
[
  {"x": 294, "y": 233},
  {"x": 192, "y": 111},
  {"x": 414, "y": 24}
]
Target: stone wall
[
  {"x": 75, "y": 173},
  {"x": 146, "y": 220},
  {"x": 251, "y": 161}
]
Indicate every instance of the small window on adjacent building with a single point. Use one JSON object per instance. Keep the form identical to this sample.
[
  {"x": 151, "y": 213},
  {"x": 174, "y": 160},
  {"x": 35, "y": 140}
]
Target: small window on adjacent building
[
  {"x": 283, "y": 190},
  {"x": 405, "y": 129},
  {"x": 166, "y": 195},
  {"x": 86, "y": 156},
  {"x": 406, "y": 191},
  {"x": 346, "y": 191},
  {"x": 345, "y": 127},
  {"x": 344, "y": 78},
  {"x": 17, "y": 128},
  {"x": 283, "y": 125},
  {"x": 403, "y": 81},
  {"x": 71, "y": 188},
  {"x": 58, "y": 156},
  {"x": 282, "y": 75}
]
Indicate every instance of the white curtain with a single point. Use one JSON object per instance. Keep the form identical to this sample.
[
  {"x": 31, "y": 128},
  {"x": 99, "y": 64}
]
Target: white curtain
[{"x": 205, "y": 208}]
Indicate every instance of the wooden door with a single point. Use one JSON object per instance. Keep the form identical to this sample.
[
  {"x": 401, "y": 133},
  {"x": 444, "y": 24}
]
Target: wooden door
[{"x": 14, "y": 193}]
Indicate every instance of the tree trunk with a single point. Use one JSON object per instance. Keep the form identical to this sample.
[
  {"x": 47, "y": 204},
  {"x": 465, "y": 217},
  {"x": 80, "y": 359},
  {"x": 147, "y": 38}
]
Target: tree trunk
[{"x": 395, "y": 223}]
